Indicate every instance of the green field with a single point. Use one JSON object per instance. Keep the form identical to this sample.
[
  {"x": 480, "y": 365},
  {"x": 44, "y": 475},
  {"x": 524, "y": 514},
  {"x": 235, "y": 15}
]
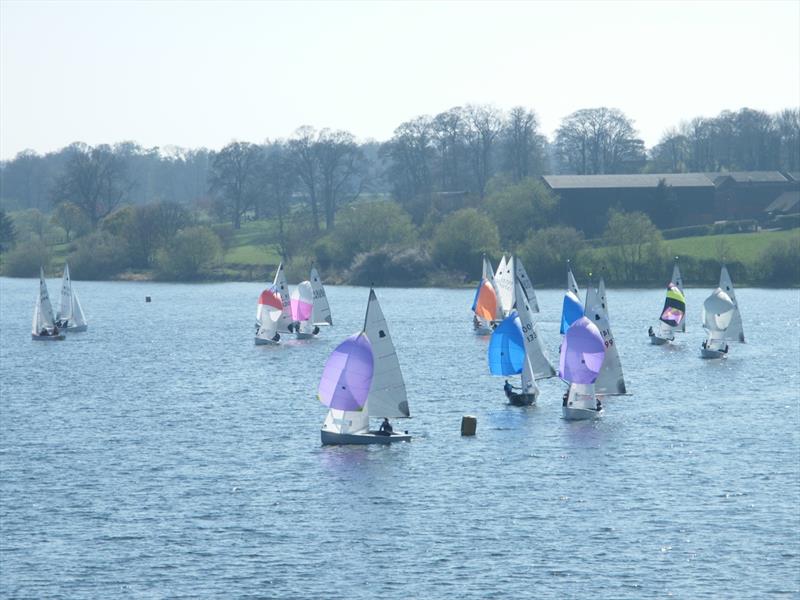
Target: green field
[
  {"x": 254, "y": 245},
  {"x": 744, "y": 247}
]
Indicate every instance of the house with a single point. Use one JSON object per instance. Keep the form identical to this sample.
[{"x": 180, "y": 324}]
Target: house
[{"x": 745, "y": 194}]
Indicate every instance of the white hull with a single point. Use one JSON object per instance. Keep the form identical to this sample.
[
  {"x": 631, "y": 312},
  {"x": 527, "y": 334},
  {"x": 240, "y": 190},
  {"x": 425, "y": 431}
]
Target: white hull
[
  {"x": 265, "y": 342},
  {"x": 482, "y": 330},
  {"x": 330, "y": 438},
  {"x": 708, "y": 353},
  {"x": 77, "y": 329},
  {"x": 580, "y": 414},
  {"x": 304, "y": 336},
  {"x": 658, "y": 341},
  {"x": 48, "y": 338}
]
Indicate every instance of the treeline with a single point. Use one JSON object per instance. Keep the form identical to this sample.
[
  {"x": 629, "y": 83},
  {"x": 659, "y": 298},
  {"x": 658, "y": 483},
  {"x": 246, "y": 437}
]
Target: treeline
[{"x": 419, "y": 208}]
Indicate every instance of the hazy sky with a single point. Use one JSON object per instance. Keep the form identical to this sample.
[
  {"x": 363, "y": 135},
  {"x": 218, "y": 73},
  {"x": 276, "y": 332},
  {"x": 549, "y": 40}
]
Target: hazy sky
[{"x": 203, "y": 73}]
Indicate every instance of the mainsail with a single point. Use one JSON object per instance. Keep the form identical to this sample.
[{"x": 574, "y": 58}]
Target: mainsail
[
  {"x": 504, "y": 279},
  {"x": 387, "y": 396},
  {"x": 70, "y": 312},
  {"x": 282, "y": 288},
  {"x": 734, "y": 331},
  {"x": 43, "y": 312},
  {"x": 534, "y": 350},
  {"x": 322, "y": 310},
  {"x": 610, "y": 380}
]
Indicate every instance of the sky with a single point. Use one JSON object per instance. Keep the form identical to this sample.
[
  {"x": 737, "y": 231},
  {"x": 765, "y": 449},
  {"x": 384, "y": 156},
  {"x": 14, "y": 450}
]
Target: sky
[{"x": 202, "y": 74}]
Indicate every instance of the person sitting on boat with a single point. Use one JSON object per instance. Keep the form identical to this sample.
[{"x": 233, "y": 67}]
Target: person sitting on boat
[
  {"x": 386, "y": 427},
  {"x": 599, "y": 406},
  {"x": 508, "y": 389},
  {"x": 44, "y": 332},
  {"x": 276, "y": 337},
  {"x": 316, "y": 330},
  {"x": 565, "y": 398},
  {"x": 650, "y": 331}
]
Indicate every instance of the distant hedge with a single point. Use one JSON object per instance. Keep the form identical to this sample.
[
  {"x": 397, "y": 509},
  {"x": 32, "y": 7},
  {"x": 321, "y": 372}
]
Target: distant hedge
[
  {"x": 787, "y": 221},
  {"x": 690, "y": 231}
]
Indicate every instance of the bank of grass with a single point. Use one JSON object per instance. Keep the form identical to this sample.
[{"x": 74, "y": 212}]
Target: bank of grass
[
  {"x": 744, "y": 247},
  {"x": 253, "y": 245}
]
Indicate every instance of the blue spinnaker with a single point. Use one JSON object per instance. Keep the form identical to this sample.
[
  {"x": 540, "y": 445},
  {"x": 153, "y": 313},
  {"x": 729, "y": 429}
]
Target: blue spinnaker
[
  {"x": 506, "y": 347},
  {"x": 571, "y": 311}
]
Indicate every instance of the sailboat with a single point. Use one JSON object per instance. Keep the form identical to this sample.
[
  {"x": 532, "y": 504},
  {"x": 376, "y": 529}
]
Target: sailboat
[
  {"x": 268, "y": 314},
  {"x": 519, "y": 331},
  {"x": 280, "y": 286},
  {"x": 610, "y": 380},
  {"x": 302, "y": 302},
  {"x": 321, "y": 312},
  {"x": 70, "y": 315},
  {"x": 487, "y": 311},
  {"x": 362, "y": 379},
  {"x": 734, "y": 332},
  {"x": 677, "y": 279},
  {"x": 44, "y": 327},
  {"x": 582, "y": 354},
  {"x": 672, "y": 316},
  {"x": 718, "y": 311}
]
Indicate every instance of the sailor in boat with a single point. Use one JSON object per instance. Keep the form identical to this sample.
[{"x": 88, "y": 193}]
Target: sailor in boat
[
  {"x": 508, "y": 389},
  {"x": 316, "y": 330},
  {"x": 599, "y": 406},
  {"x": 386, "y": 427},
  {"x": 276, "y": 337},
  {"x": 650, "y": 332}
]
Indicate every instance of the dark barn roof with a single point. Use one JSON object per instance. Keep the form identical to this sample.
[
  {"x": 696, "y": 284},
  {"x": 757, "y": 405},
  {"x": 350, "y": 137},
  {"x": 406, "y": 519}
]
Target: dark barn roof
[
  {"x": 749, "y": 177},
  {"x": 649, "y": 180},
  {"x": 787, "y": 202}
]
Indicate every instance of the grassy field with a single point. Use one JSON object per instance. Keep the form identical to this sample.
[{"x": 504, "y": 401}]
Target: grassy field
[
  {"x": 252, "y": 245},
  {"x": 744, "y": 247}
]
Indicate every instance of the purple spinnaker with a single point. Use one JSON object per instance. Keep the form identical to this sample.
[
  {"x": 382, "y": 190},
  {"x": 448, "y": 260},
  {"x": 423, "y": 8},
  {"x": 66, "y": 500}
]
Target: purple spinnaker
[
  {"x": 582, "y": 352},
  {"x": 347, "y": 375}
]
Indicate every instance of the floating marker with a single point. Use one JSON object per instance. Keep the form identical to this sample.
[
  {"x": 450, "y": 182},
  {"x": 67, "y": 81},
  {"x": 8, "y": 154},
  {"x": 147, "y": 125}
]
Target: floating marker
[
  {"x": 147, "y": 298},
  {"x": 468, "y": 425}
]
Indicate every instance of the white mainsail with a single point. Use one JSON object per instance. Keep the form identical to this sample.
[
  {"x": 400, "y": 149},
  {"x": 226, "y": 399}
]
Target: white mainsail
[
  {"x": 387, "y": 394},
  {"x": 43, "y": 312},
  {"x": 610, "y": 380},
  {"x": 535, "y": 358},
  {"x": 677, "y": 279},
  {"x": 504, "y": 278},
  {"x": 70, "y": 313},
  {"x": 572, "y": 285},
  {"x": 282, "y": 287},
  {"x": 601, "y": 293},
  {"x": 734, "y": 331},
  {"x": 321, "y": 314},
  {"x": 526, "y": 283}
]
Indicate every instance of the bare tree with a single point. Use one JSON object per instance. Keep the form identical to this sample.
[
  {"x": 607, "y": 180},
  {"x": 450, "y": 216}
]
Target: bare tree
[
  {"x": 338, "y": 165},
  {"x": 95, "y": 179},
  {"x": 599, "y": 140},
  {"x": 235, "y": 174},
  {"x": 305, "y": 165},
  {"x": 410, "y": 153},
  {"x": 522, "y": 143},
  {"x": 484, "y": 124},
  {"x": 448, "y": 131}
]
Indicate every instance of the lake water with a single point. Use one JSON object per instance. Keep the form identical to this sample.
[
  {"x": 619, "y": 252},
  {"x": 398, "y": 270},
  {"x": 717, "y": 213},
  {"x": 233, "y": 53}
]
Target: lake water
[{"x": 162, "y": 454}]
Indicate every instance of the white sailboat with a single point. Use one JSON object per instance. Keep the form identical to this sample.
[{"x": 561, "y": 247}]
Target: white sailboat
[
  {"x": 302, "y": 301},
  {"x": 718, "y": 311},
  {"x": 268, "y": 314},
  {"x": 582, "y": 355},
  {"x": 362, "y": 379},
  {"x": 44, "y": 328},
  {"x": 281, "y": 287},
  {"x": 610, "y": 380},
  {"x": 572, "y": 285},
  {"x": 519, "y": 332},
  {"x": 571, "y": 307},
  {"x": 734, "y": 332},
  {"x": 522, "y": 278},
  {"x": 321, "y": 314},
  {"x": 70, "y": 315}
]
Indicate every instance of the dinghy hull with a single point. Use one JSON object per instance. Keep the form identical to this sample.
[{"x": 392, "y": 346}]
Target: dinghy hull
[
  {"x": 265, "y": 342},
  {"x": 580, "y": 414},
  {"x": 330, "y": 438},
  {"x": 304, "y": 336},
  {"x": 78, "y": 329},
  {"x": 658, "y": 341},
  {"x": 521, "y": 399},
  {"x": 48, "y": 338},
  {"x": 708, "y": 353}
]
